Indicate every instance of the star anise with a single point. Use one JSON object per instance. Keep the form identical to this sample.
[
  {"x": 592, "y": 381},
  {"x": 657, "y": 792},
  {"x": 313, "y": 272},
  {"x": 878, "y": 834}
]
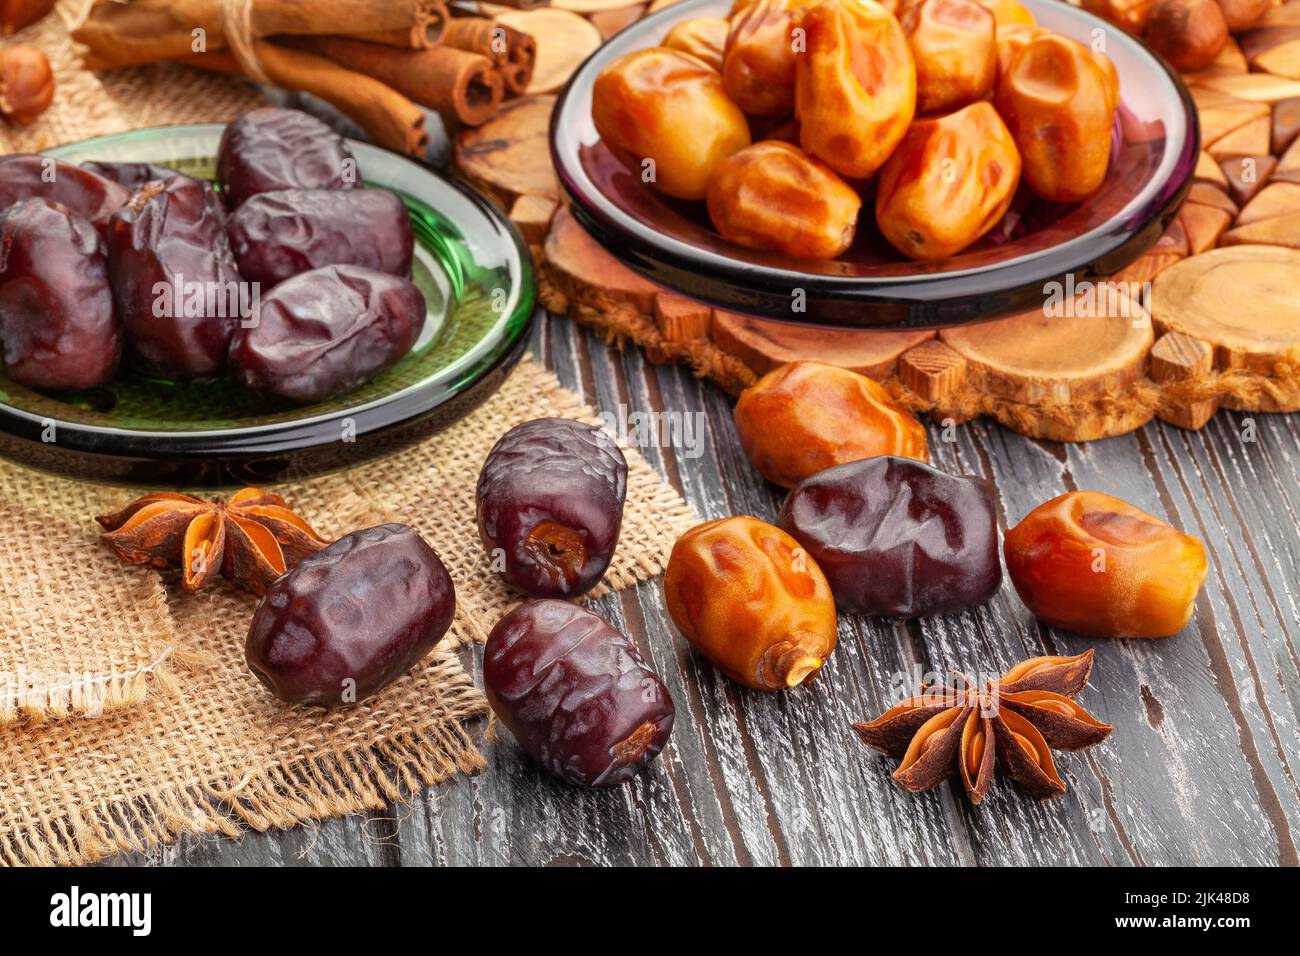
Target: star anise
[
  {"x": 252, "y": 538},
  {"x": 1022, "y": 716}
]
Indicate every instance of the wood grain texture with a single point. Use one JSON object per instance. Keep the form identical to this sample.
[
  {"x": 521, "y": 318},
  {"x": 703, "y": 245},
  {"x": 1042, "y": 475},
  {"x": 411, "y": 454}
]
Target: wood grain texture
[{"x": 1201, "y": 767}]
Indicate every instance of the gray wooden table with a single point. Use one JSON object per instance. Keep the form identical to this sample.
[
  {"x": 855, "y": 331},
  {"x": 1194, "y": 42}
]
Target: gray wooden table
[{"x": 1202, "y": 766}]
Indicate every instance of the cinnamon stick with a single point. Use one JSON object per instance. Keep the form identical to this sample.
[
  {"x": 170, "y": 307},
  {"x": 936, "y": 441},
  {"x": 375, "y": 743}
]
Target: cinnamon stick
[
  {"x": 146, "y": 31},
  {"x": 513, "y": 53},
  {"x": 460, "y": 86},
  {"x": 390, "y": 119},
  {"x": 426, "y": 33}
]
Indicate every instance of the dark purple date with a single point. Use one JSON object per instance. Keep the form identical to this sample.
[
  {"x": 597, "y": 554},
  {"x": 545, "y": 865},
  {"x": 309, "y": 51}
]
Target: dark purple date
[
  {"x": 550, "y": 505},
  {"x": 896, "y": 537},
  {"x": 58, "y": 330},
  {"x": 130, "y": 175},
  {"x": 178, "y": 291},
  {"x": 278, "y": 235},
  {"x": 92, "y": 197},
  {"x": 270, "y": 149},
  {"x": 575, "y": 693},
  {"x": 349, "y": 620},
  {"x": 325, "y": 332}
]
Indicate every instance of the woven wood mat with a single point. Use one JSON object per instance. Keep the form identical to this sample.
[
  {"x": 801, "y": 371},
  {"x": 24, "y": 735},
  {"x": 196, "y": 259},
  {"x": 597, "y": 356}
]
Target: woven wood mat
[{"x": 184, "y": 739}]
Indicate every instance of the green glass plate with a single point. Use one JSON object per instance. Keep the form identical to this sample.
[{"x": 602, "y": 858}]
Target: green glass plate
[{"x": 477, "y": 278}]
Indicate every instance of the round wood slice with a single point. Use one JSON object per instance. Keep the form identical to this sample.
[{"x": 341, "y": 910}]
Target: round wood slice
[
  {"x": 1031, "y": 357},
  {"x": 1244, "y": 300},
  {"x": 509, "y": 156},
  {"x": 591, "y": 271},
  {"x": 564, "y": 40},
  {"x": 763, "y": 344}
]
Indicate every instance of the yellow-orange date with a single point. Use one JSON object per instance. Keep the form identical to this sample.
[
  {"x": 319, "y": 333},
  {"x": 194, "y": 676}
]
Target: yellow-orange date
[
  {"x": 1091, "y": 563},
  {"x": 666, "y": 116},
  {"x": 703, "y": 38},
  {"x": 955, "y": 48},
  {"x": 758, "y": 65},
  {"x": 948, "y": 183},
  {"x": 1059, "y": 104},
  {"x": 805, "y": 417},
  {"x": 855, "y": 87},
  {"x": 1009, "y": 12},
  {"x": 774, "y": 196},
  {"x": 751, "y": 600}
]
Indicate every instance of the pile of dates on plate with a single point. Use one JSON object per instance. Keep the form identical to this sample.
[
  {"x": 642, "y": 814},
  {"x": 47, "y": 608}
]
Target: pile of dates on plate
[
  {"x": 948, "y": 116},
  {"x": 291, "y": 279}
]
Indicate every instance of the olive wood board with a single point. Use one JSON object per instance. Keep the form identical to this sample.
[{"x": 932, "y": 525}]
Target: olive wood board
[{"x": 1174, "y": 357}]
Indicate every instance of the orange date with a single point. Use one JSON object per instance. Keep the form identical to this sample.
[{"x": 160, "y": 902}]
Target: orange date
[
  {"x": 855, "y": 87},
  {"x": 1059, "y": 104},
  {"x": 1091, "y": 563},
  {"x": 762, "y": 46},
  {"x": 774, "y": 196},
  {"x": 805, "y": 417},
  {"x": 955, "y": 48},
  {"x": 751, "y": 600},
  {"x": 948, "y": 183},
  {"x": 703, "y": 38},
  {"x": 666, "y": 116}
]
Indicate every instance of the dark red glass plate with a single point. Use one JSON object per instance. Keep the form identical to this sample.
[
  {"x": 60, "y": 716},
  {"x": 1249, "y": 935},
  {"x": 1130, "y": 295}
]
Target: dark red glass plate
[{"x": 1153, "y": 157}]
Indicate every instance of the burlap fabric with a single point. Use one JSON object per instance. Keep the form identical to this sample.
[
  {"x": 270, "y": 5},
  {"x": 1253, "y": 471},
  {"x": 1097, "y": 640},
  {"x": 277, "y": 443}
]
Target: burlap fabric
[
  {"x": 208, "y": 746},
  {"x": 183, "y": 738}
]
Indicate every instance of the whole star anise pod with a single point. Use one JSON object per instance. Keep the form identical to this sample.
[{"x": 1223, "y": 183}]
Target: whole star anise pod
[
  {"x": 1021, "y": 717},
  {"x": 252, "y": 538}
]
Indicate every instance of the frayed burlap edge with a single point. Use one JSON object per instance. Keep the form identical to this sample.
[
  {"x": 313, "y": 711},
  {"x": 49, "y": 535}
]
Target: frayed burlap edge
[
  {"x": 95, "y": 694},
  {"x": 620, "y": 321},
  {"x": 368, "y": 777}
]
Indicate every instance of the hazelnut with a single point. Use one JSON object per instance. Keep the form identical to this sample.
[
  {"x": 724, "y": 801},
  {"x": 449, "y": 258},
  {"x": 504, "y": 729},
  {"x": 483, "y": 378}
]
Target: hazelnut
[
  {"x": 1187, "y": 33},
  {"x": 26, "y": 84},
  {"x": 16, "y": 14}
]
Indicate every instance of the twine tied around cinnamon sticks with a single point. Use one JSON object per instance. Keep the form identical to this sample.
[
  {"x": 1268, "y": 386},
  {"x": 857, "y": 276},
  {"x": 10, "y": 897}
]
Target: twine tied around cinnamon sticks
[{"x": 376, "y": 61}]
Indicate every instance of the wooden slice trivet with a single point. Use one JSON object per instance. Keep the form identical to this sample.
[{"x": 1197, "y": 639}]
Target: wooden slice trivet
[
  {"x": 564, "y": 40},
  {"x": 1059, "y": 378},
  {"x": 509, "y": 156},
  {"x": 1242, "y": 300}
]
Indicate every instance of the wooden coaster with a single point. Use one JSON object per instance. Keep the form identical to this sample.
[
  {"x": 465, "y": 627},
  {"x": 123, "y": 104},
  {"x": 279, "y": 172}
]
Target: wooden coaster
[
  {"x": 1225, "y": 324},
  {"x": 509, "y": 156},
  {"x": 564, "y": 40}
]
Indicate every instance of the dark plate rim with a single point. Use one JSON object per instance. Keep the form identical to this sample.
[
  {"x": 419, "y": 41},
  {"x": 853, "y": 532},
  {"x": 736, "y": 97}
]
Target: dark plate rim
[
  {"x": 1125, "y": 235},
  {"x": 405, "y": 407}
]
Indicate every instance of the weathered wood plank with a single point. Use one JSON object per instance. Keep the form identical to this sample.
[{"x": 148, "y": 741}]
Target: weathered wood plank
[{"x": 1202, "y": 766}]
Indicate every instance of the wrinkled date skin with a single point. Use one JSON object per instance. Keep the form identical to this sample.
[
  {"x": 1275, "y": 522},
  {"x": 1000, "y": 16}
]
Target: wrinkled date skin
[
  {"x": 948, "y": 183},
  {"x": 775, "y": 196},
  {"x": 954, "y": 45},
  {"x": 81, "y": 192},
  {"x": 325, "y": 332},
  {"x": 855, "y": 87},
  {"x": 1091, "y": 563},
  {"x": 897, "y": 538},
  {"x": 130, "y": 175},
  {"x": 1059, "y": 105},
  {"x": 271, "y": 149},
  {"x": 575, "y": 693},
  {"x": 349, "y": 620},
  {"x": 175, "y": 282},
  {"x": 1013, "y": 39},
  {"x": 703, "y": 38},
  {"x": 669, "y": 108},
  {"x": 277, "y": 235},
  {"x": 550, "y": 498},
  {"x": 58, "y": 328},
  {"x": 804, "y": 417},
  {"x": 758, "y": 65},
  {"x": 751, "y": 600}
]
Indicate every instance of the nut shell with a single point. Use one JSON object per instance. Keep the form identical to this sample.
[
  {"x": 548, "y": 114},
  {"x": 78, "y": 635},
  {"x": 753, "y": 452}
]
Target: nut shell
[{"x": 26, "y": 84}]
